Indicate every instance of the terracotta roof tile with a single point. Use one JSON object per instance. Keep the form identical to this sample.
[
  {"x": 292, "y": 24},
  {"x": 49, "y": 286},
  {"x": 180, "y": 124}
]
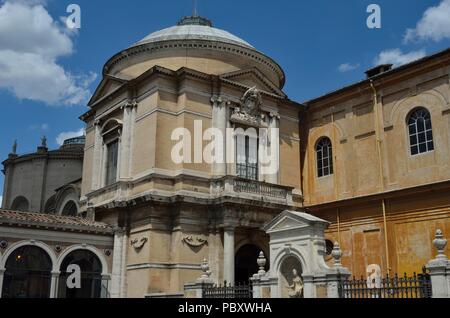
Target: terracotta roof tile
[{"x": 74, "y": 224}]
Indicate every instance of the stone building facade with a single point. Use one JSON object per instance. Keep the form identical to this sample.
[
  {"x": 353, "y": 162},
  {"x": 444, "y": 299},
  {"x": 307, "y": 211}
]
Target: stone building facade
[
  {"x": 47, "y": 181},
  {"x": 390, "y": 188},
  {"x": 370, "y": 158}
]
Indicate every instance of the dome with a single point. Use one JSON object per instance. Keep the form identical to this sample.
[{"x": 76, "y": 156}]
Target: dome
[
  {"x": 194, "y": 28},
  {"x": 193, "y": 44}
]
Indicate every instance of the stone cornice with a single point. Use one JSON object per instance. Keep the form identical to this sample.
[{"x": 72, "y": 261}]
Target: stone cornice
[
  {"x": 51, "y": 155},
  {"x": 404, "y": 72},
  {"x": 196, "y": 44},
  {"x": 182, "y": 73}
]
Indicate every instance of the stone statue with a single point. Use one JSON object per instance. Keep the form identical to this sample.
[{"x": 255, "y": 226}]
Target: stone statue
[
  {"x": 373, "y": 276},
  {"x": 297, "y": 286},
  {"x": 14, "y": 147},
  {"x": 44, "y": 142}
]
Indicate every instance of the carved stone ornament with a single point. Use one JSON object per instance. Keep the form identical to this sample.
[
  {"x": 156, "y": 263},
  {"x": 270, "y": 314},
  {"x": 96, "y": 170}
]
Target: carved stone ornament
[
  {"x": 138, "y": 244},
  {"x": 249, "y": 112},
  {"x": 194, "y": 241},
  {"x": 3, "y": 244},
  {"x": 58, "y": 249}
]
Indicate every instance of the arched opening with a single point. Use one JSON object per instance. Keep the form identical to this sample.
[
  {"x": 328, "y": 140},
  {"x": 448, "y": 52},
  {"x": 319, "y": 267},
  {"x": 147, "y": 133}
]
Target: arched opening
[
  {"x": 70, "y": 209},
  {"x": 28, "y": 274},
  {"x": 246, "y": 263},
  {"x": 20, "y": 204},
  {"x": 50, "y": 206},
  {"x": 291, "y": 281},
  {"x": 90, "y": 278}
]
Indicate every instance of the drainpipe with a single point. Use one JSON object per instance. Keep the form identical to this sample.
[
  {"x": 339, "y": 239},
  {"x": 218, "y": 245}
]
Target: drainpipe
[
  {"x": 338, "y": 217},
  {"x": 380, "y": 162}
]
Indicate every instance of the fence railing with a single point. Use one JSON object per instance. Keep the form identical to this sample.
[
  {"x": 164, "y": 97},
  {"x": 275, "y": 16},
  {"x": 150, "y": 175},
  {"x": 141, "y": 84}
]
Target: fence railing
[
  {"x": 259, "y": 188},
  {"x": 227, "y": 291},
  {"x": 416, "y": 286}
]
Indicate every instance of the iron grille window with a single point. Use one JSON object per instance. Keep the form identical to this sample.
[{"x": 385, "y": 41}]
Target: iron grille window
[
  {"x": 247, "y": 157},
  {"x": 324, "y": 152},
  {"x": 420, "y": 132}
]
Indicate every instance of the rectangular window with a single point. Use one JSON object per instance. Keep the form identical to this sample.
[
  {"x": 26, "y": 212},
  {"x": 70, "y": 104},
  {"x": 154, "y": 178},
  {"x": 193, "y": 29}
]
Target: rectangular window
[
  {"x": 247, "y": 157},
  {"x": 112, "y": 151}
]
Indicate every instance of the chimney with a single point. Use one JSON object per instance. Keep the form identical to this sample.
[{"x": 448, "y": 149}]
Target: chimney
[{"x": 377, "y": 70}]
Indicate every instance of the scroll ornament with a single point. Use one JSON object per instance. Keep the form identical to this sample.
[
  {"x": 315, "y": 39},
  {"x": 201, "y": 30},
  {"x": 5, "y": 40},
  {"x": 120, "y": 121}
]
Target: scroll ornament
[
  {"x": 194, "y": 241},
  {"x": 138, "y": 244}
]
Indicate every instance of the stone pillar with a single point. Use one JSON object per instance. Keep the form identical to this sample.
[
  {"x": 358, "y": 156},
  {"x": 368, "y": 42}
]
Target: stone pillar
[
  {"x": 54, "y": 285},
  {"x": 96, "y": 163},
  {"x": 116, "y": 273},
  {"x": 274, "y": 149},
  {"x": 229, "y": 254},
  {"x": 439, "y": 267},
  {"x": 337, "y": 274},
  {"x": 126, "y": 140},
  {"x": 2, "y": 272},
  {"x": 219, "y": 121},
  {"x": 215, "y": 247},
  {"x": 263, "y": 286},
  {"x": 195, "y": 290}
]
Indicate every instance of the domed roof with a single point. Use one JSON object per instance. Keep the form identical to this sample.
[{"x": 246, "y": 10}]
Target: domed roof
[{"x": 194, "y": 28}]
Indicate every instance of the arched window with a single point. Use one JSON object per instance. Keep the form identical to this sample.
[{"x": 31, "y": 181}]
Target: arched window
[
  {"x": 28, "y": 274},
  {"x": 420, "y": 131},
  {"x": 70, "y": 209},
  {"x": 20, "y": 204},
  {"x": 91, "y": 275},
  {"x": 324, "y": 150}
]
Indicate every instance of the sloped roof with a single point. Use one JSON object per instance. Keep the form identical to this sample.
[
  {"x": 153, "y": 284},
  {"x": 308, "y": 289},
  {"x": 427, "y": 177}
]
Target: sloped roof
[
  {"x": 194, "y": 28},
  {"x": 53, "y": 222}
]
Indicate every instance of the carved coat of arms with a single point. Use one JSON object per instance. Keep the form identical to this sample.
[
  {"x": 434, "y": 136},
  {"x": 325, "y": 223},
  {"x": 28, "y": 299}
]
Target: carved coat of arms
[{"x": 249, "y": 112}]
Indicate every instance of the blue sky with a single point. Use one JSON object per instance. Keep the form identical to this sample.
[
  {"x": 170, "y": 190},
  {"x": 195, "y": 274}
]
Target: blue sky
[{"x": 47, "y": 72}]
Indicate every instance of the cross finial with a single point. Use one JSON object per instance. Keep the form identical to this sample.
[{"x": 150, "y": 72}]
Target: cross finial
[{"x": 195, "y": 13}]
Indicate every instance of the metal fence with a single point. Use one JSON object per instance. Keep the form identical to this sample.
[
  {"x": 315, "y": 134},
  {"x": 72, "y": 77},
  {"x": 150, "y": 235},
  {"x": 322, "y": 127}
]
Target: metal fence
[
  {"x": 227, "y": 291},
  {"x": 416, "y": 286}
]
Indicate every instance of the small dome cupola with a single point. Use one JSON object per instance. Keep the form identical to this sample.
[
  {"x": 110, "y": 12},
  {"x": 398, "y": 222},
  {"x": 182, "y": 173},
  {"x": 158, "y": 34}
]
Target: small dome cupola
[{"x": 195, "y": 20}]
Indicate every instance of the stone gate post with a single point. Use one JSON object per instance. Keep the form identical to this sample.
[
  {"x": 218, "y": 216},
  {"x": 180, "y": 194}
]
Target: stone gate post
[
  {"x": 195, "y": 289},
  {"x": 440, "y": 269}
]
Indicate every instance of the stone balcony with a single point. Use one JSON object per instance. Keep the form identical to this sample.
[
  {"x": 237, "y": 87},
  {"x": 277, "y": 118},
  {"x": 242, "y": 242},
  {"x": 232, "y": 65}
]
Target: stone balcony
[
  {"x": 239, "y": 188},
  {"x": 206, "y": 190}
]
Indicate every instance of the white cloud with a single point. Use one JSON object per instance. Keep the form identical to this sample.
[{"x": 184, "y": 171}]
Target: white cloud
[
  {"x": 31, "y": 43},
  {"x": 1, "y": 200},
  {"x": 434, "y": 25},
  {"x": 347, "y": 67},
  {"x": 397, "y": 57},
  {"x": 69, "y": 134}
]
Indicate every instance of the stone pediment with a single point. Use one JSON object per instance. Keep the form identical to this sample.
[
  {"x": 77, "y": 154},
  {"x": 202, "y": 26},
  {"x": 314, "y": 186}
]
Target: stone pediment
[
  {"x": 289, "y": 220},
  {"x": 253, "y": 78},
  {"x": 108, "y": 85}
]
